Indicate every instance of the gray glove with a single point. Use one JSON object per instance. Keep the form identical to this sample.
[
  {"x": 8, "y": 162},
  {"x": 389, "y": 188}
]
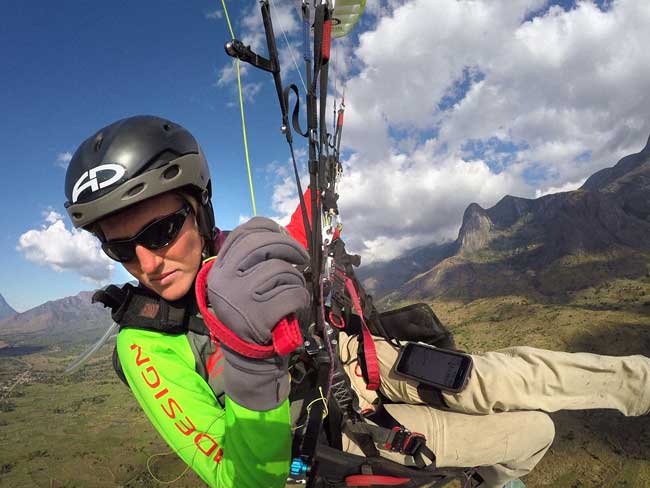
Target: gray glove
[{"x": 251, "y": 287}]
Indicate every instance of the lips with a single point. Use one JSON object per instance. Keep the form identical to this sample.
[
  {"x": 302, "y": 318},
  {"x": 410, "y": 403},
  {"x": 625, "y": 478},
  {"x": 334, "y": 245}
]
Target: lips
[{"x": 165, "y": 278}]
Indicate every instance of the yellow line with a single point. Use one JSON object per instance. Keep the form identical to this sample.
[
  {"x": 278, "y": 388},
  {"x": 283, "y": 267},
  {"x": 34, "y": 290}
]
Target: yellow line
[
  {"x": 243, "y": 118},
  {"x": 232, "y": 34}
]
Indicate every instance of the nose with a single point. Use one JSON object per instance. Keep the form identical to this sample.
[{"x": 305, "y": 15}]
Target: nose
[{"x": 149, "y": 260}]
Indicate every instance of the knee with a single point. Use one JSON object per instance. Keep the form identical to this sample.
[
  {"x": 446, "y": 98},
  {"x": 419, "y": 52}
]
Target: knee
[{"x": 544, "y": 429}]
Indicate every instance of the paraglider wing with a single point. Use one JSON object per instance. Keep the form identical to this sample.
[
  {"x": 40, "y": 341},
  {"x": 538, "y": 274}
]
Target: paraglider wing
[{"x": 346, "y": 14}]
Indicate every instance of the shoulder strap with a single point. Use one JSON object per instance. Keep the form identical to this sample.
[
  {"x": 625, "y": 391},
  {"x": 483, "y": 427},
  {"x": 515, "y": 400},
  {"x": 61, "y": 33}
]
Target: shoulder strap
[{"x": 140, "y": 308}]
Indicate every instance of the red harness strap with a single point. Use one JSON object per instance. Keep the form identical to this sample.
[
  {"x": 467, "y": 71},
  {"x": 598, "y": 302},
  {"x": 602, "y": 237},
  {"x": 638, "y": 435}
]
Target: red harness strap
[
  {"x": 286, "y": 334},
  {"x": 370, "y": 353},
  {"x": 327, "y": 39},
  {"x": 374, "y": 480}
]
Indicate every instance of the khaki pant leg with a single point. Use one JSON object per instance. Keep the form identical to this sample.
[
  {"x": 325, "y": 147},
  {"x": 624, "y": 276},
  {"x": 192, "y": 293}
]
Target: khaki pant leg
[
  {"x": 525, "y": 378},
  {"x": 506, "y": 445},
  {"x": 393, "y": 387}
]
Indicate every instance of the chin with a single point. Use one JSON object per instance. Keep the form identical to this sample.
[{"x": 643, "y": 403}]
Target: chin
[{"x": 175, "y": 291}]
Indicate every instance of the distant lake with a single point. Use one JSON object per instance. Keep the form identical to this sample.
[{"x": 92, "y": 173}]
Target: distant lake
[{"x": 19, "y": 350}]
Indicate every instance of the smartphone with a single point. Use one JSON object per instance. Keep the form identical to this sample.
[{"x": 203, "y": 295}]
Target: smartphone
[{"x": 441, "y": 368}]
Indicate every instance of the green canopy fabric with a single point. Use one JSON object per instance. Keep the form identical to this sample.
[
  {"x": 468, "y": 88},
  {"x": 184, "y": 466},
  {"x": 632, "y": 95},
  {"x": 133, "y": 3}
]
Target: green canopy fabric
[{"x": 346, "y": 14}]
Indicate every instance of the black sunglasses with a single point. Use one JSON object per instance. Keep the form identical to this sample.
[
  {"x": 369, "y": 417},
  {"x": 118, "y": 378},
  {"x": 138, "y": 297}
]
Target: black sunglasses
[{"x": 156, "y": 235}]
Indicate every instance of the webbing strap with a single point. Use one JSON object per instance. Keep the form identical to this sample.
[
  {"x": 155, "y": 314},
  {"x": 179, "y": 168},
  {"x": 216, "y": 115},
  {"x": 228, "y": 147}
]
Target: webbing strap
[
  {"x": 374, "y": 480},
  {"x": 397, "y": 439},
  {"x": 327, "y": 39},
  {"x": 295, "y": 117},
  {"x": 370, "y": 352},
  {"x": 402, "y": 439},
  {"x": 138, "y": 307}
]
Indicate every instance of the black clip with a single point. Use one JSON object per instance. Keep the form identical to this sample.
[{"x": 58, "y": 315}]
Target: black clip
[
  {"x": 407, "y": 442},
  {"x": 298, "y": 372}
]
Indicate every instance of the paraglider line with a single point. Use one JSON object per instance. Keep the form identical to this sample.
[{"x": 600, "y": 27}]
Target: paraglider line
[
  {"x": 243, "y": 118},
  {"x": 277, "y": 20}
]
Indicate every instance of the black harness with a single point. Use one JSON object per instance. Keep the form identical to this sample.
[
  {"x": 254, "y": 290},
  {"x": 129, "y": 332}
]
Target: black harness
[{"x": 138, "y": 307}]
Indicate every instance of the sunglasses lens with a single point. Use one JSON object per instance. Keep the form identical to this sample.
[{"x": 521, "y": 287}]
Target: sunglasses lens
[
  {"x": 156, "y": 235},
  {"x": 163, "y": 232},
  {"x": 121, "y": 252}
]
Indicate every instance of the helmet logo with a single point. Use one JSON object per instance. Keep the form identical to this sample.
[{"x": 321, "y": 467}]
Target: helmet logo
[{"x": 93, "y": 181}]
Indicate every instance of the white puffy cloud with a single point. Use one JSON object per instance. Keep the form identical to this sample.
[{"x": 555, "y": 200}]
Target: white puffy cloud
[
  {"x": 61, "y": 249},
  {"x": 281, "y": 175},
  {"x": 284, "y": 200},
  {"x": 214, "y": 14},
  {"x": 409, "y": 199},
  {"x": 250, "y": 31},
  {"x": 459, "y": 101},
  {"x": 570, "y": 186},
  {"x": 51, "y": 216},
  {"x": 565, "y": 94},
  {"x": 62, "y": 159},
  {"x": 563, "y": 83}
]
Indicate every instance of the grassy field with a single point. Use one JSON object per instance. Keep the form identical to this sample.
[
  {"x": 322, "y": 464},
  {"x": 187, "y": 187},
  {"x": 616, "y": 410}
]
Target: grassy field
[
  {"x": 85, "y": 430},
  {"x": 596, "y": 448}
]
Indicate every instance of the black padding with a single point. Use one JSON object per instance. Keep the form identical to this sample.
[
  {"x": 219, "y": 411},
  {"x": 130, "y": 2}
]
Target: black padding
[
  {"x": 417, "y": 323},
  {"x": 141, "y": 308},
  {"x": 432, "y": 396},
  {"x": 112, "y": 297}
]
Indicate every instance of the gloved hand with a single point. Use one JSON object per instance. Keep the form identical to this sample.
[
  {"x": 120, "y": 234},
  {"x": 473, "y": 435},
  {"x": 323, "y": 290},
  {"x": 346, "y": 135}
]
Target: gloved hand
[{"x": 251, "y": 287}]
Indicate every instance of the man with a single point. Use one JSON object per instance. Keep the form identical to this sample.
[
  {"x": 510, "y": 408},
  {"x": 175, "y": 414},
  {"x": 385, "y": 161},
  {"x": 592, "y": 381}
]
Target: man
[{"x": 142, "y": 186}]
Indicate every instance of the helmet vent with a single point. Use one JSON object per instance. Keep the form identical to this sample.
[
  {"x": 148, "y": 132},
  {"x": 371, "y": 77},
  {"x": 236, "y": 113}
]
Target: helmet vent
[
  {"x": 171, "y": 172},
  {"x": 167, "y": 127},
  {"x": 135, "y": 190},
  {"x": 98, "y": 142}
]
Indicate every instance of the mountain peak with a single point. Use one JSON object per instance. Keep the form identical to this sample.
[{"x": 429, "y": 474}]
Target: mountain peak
[
  {"x": 67, "y": 319},
  {"x": 602, "y": 179},
  {"x": 474, "y": 233},
  {"x": 5, "y": 309},
  {"x": 543, "y": 247},
  {"x": 508, "y": 210}
]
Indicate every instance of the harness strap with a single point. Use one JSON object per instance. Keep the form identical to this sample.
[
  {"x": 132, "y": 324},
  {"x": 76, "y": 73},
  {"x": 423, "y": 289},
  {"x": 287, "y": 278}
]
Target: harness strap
[
  {"x": 370, "y": 352},
  {"x": 138, "y": 307},
  {"x": 398, "y": 439},
  {"x": 395, "y": 437},
  {"x": 374, "y": 480},
  {"x": 295, "y": 117}
]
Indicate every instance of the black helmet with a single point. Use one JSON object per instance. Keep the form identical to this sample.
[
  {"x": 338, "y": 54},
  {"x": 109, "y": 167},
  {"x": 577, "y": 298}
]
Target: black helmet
[{"x": 134, "y": 159}]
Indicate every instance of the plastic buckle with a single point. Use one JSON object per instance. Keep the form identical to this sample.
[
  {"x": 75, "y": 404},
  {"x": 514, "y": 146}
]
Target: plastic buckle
[
  {"x": 406, "y": 442},
  {"x": 298, "y": 372},
  {"x": 413, "y": 443},
  {"x": 399, "y": 438}
]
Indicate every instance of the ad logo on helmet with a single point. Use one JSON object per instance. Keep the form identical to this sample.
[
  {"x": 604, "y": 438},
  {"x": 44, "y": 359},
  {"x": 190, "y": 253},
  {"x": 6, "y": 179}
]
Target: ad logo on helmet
[{"x": 112, "y": 173}]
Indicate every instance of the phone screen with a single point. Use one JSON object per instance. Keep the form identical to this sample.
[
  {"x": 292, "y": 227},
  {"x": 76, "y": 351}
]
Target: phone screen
[{"x": 433, "y": 366}]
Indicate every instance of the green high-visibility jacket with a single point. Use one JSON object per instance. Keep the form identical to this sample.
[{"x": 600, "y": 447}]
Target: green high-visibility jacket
[{"x": 228, "y": 446}]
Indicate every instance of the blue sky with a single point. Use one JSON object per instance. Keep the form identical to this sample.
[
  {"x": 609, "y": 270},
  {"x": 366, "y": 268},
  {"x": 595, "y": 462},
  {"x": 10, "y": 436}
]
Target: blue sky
[
  {"x": 73, "y": 67},
  {"x": 444, "y": 115}
]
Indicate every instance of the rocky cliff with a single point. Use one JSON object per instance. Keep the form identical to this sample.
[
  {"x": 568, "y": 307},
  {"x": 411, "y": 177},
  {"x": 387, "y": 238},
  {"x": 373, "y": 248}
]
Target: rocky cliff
[{"x": 545, "y": 247}]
